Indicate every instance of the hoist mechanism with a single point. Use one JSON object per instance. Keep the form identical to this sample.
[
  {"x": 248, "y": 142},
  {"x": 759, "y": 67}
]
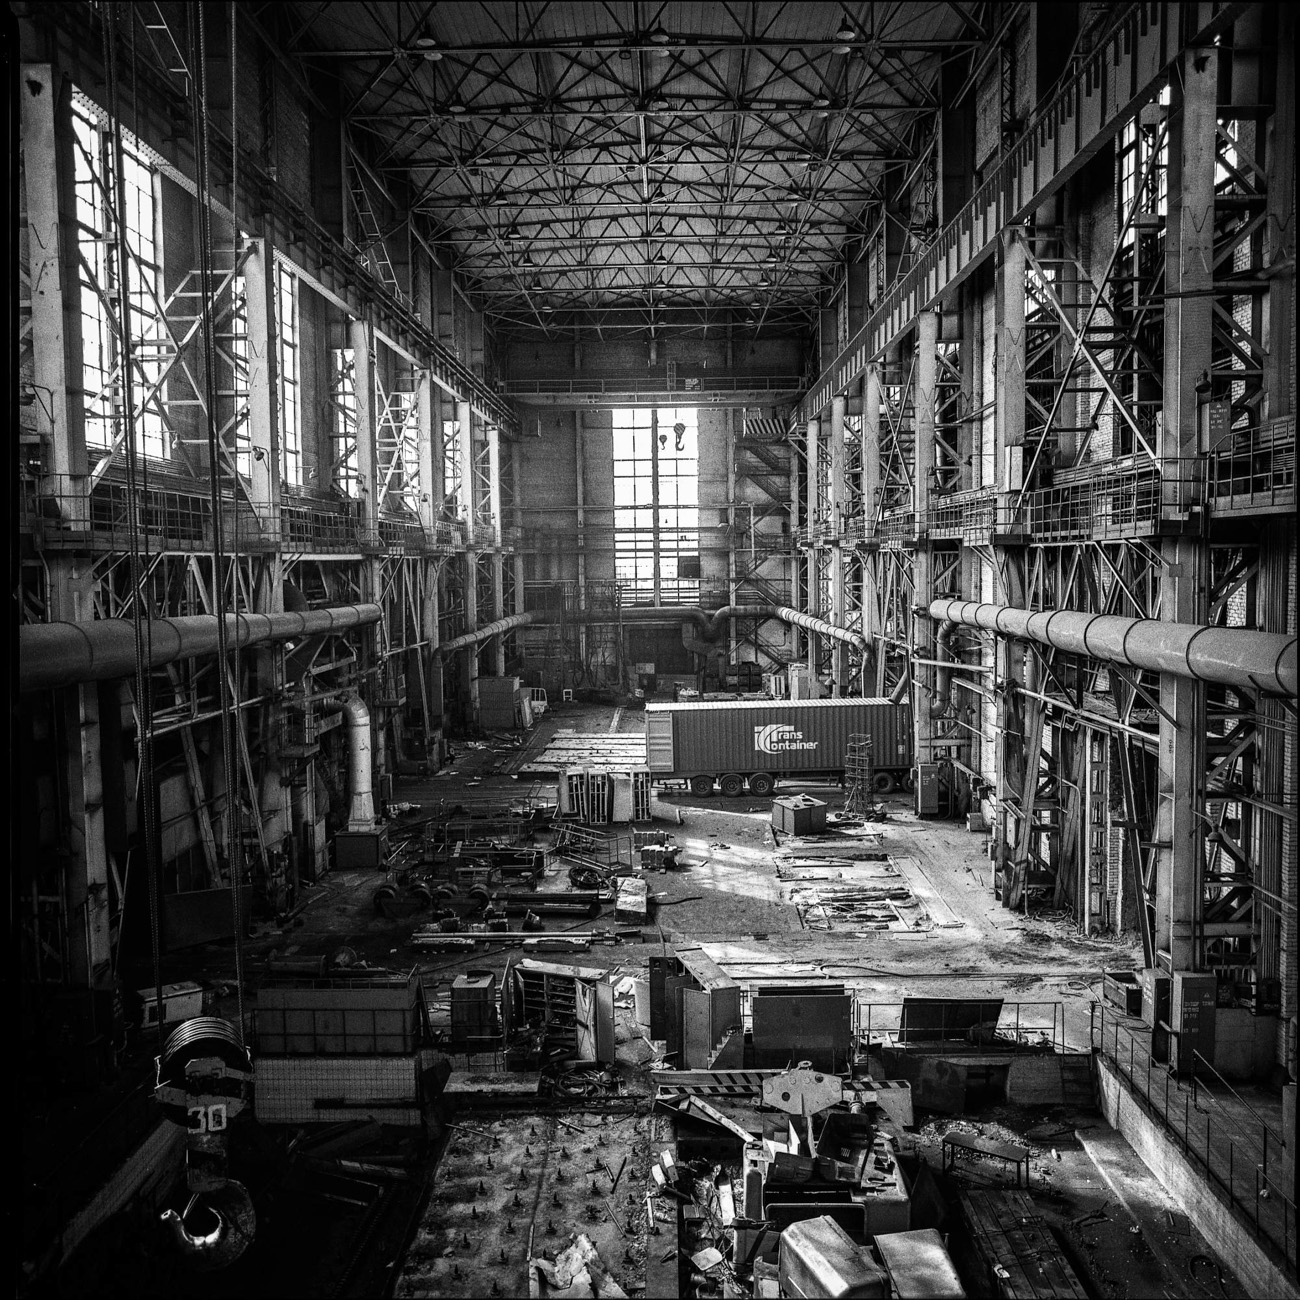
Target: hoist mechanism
[{"x": 204, "y": 1079}]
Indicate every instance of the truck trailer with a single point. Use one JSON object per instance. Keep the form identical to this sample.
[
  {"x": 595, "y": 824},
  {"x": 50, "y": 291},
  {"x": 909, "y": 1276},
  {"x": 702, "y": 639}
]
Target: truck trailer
[{"x": 734, "y": 742}]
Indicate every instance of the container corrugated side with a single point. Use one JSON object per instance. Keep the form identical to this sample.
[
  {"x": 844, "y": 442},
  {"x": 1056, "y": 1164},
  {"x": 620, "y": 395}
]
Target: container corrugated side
[{"x": 768, "y": 736}]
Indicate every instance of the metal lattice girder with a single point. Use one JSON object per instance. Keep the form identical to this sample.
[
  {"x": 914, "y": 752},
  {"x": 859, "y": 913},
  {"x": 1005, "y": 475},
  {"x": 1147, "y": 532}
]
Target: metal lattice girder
[{"x": 1121, "y": 73}]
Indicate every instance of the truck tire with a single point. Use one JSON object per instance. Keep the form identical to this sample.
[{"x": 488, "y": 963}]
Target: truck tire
[
  {"x": 701, "y": 785},
  {"x": 883, "y": 783},
  {"x": 732, "y": 785},
  {"x": 762, "y": 784}
]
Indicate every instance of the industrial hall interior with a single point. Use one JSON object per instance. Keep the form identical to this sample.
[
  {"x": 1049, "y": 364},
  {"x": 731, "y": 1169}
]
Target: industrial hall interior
[{"x": 654, "y": 649}]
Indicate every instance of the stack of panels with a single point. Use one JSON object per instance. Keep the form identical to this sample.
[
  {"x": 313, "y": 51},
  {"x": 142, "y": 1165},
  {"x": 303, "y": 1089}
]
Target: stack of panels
[
  {"x": 293, "y": 1021},
  {"x": 598, "y": 798},
  {"x": 641, "y": 794},
  {"x": 331, "y": 1090}
]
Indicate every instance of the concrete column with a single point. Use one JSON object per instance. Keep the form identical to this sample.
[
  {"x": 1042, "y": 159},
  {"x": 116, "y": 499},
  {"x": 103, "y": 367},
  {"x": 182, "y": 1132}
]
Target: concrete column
[
  {"x": 925, "y": 375},
  {"x": 857, "y": 288},
  {"x": 470, "y": 653},
  {"x": 55, "y": 305},
  {"x": 1009, "y": 342},
  {"x": 839, "y": 651},
  {"x": 1178, "y": 832},
  {"x": 465, "y": 454},
  {"x": 829, "y": 339},
  {"x": 1279, "y": 236},
  {"x": 86, "y": 878},
  {"x": 426, "y": 420},
  {"x": 263, "y": 385}
]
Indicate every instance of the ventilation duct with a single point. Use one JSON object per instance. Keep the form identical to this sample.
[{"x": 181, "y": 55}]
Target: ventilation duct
[
  {"x": 63, "y": 654},
  {"x": 1233, "y": 656}
]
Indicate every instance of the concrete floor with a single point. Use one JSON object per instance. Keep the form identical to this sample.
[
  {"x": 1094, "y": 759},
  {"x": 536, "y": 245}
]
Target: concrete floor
[{"x": 732, "y": 900}]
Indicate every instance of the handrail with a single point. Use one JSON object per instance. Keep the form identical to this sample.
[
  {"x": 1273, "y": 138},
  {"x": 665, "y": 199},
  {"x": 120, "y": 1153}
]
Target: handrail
[
  {"x": 1252, "y": 1194},
  {"x": 1196, "y": 1056}
]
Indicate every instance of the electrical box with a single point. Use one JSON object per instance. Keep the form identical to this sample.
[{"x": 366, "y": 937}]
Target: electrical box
[
  {"x": 1193, "y": 1009},
  {"x": 799, "y": 814},
  {"x": 927, "y": 789},
  {"x": 368, "y": 849},
  {"x": 180, "y": 1002}
]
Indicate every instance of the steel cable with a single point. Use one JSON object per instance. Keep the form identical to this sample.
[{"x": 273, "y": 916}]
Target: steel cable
[
  {"x": 229, "y": 723},
  {"x": 126, "y": 407}
]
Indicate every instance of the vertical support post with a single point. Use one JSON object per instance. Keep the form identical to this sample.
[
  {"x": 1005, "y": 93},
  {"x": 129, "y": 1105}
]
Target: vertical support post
[
  {"x": 263, "y": 386},
  {"x": 498, "y": 560},
  {"x": 812, "y": 452},
  {"x": 925, "y": 371},
  {"x": 87, "y": 874},
  {"x": 1188, "y": 317},
  {"x": 363, "y": 368},
  {"x": 871, "y": 628},
  {"x": 839, "y": 650},
  {"x": 796, "y": 552},
  {"x": 426, "y": 441},
  {"x": 54, "y": 305}
]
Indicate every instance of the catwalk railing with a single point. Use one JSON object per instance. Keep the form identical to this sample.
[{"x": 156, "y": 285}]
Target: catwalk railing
[
  {"x": 175, "y": 513},
  {"x": 1256, "y": 471},
  {"x": 1242, "y": 1160}
]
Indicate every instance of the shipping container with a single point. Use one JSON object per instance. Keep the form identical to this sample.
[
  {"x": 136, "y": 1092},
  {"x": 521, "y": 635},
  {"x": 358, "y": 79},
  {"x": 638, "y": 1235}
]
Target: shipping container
[{"x": 760, "y": 741}]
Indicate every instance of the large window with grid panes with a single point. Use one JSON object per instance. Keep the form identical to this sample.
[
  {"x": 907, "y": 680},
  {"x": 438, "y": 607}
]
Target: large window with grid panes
[
  {"x": 100, "y": 282},
  {"x": 656, "y": 505}
]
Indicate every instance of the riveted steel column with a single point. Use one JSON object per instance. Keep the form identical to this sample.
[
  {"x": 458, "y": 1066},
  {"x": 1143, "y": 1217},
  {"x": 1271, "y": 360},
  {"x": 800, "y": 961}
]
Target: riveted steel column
[
  {"x": 925, "y": 370},
  {"x": 498, "y": 560},
  {"x": 1008, "y": 345},
  {"x": 86, "y": 879},
  {"x": 874, "y": 658},
  {"x": 469, "y": 508},
  {"x": 839, "y": 649},
  {"x": 812, "y": 602},
  {"x": 1189, "y": 274}
]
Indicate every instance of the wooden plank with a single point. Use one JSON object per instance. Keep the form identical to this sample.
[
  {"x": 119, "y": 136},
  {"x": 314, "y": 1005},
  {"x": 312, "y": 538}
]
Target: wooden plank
[{"x": 993, "y": 1247}]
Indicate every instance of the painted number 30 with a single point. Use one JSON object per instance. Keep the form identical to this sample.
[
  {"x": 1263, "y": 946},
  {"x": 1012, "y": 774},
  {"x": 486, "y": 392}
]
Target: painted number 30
[{"x": 208, "y": 1119}]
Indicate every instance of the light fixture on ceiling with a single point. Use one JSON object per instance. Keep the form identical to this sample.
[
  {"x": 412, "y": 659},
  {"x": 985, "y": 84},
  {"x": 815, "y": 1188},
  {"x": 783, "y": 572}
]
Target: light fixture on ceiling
[
  {"x": 625, "y": 54},
  {"x": 658, "y": 105},
  {"x": 821, "y": 102},
  {"x": 546, "y": 308},
  {"x": 843, "y": 36},
  {"x": 456, "y": 106},
  {"x": 427, "y": 48},
  {"x": 659, "y": 37}
]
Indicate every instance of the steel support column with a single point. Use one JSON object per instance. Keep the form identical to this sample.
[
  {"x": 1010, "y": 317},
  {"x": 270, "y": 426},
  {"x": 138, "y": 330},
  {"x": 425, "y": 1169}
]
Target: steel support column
[
  {"x": 1178, "y": 833},
  {"x": 922, "y": 646},
  {"x": 838, "y": 613}
]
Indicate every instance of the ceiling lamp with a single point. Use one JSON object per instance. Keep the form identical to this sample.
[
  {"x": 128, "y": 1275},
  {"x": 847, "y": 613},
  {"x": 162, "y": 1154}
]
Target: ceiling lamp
[
  {"x": 427, "y": 48},
  {"x": 843, "y": 36},
  {"x": 658, "y": 106},
  {"x": 821, "y": 102},
  {"x": 455, "y": 106},
  {"x": 659, "y": 37},
  {"x": 546, "y": 307}
]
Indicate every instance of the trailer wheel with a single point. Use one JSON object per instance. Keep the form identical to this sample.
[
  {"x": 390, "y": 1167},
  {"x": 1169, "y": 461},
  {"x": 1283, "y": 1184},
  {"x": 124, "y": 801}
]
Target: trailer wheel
[
  {"x": 883, "y": 783},
  {"x": 762, "y": 784},
  {"x": 909, "y": 782},
  {"x": 732, "y": 785},
  {"x": 701, "y": 785}
]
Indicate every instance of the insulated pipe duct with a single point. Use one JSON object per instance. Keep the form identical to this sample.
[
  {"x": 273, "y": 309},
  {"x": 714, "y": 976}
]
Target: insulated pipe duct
[
  {"x": 63, "y": 654},
  {"x": 362, "y": 815},
  {"x": 487, "y": 630},
  {"x": 943, "y": 673},
  {"x": 711, "y": 625},
  {"x": 1234, "y": 656}
]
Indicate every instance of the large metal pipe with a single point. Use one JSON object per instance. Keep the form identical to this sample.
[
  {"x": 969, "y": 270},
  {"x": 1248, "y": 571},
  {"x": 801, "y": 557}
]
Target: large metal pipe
[
  {"x": 487, "y": 630},
  {"x": 943, "y": 673},
  {"x": 63, "y": 654},
  {"x": 362, "y": 814},
  {"x": 1234, "y": 656},
  {"x": 711, "y": 625}
]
